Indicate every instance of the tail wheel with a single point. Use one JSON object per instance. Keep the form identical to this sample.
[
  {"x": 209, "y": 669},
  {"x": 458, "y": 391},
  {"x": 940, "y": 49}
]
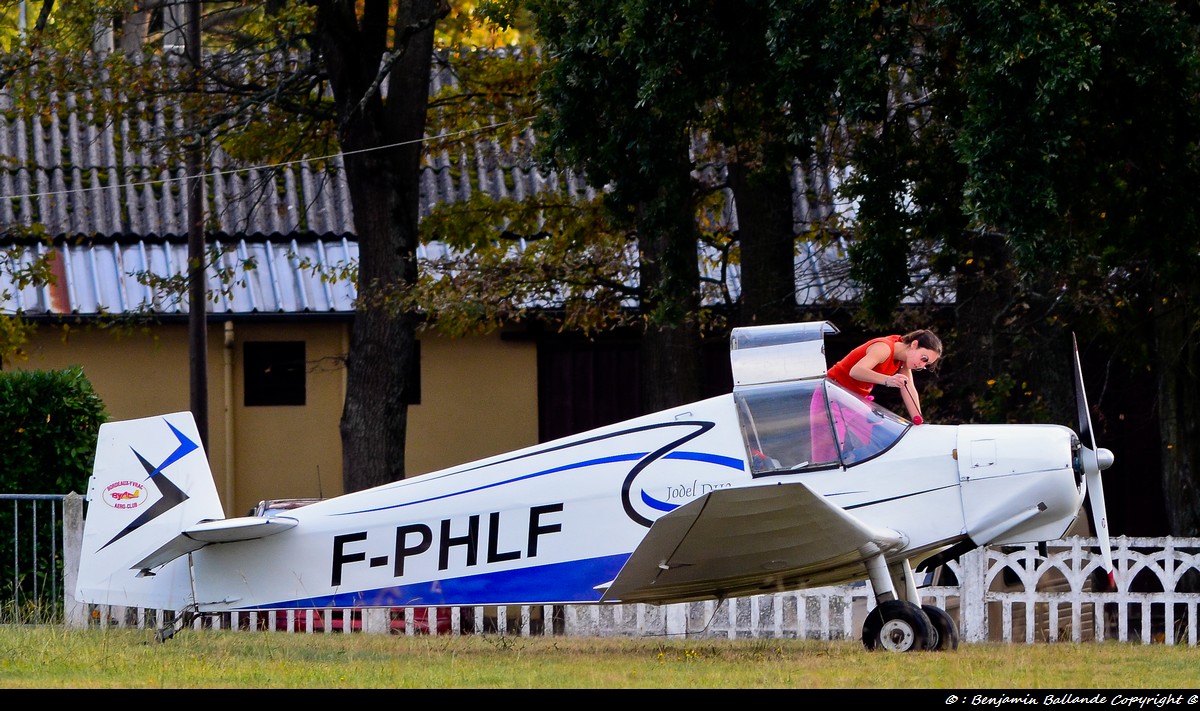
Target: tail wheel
[
  {"x": 897, "y": 626},
  {"x": 945, "y": 631}
]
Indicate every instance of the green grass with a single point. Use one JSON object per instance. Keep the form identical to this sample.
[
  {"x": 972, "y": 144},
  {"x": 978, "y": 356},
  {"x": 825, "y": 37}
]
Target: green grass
[{"x": 49, "y": 656}]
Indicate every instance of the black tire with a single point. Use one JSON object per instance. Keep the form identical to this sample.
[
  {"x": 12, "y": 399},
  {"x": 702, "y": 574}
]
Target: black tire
[
  {"x": 945, "y": 631},
  {"x": 897, "y": 626}
]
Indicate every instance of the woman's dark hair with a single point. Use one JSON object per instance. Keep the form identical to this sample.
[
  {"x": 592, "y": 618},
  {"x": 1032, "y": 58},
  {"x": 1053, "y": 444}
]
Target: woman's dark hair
[{"x": 924, "y": 338}]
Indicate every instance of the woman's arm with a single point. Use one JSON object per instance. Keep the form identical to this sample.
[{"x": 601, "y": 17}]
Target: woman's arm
[
  {"x": 908, "y": 393},
  {"x": 864, "y": 370}
]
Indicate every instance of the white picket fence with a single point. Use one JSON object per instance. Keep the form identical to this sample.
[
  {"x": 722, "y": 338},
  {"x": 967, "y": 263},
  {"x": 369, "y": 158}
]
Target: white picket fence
[{"x": 1004, "y": 594}]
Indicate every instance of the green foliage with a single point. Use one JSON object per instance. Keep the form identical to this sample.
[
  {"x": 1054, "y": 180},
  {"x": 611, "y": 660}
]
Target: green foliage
[
  {"x": 1009, "y": 400},
  {"x": 49, "y": 421},
  {"x": 70, "y": 27},
  {"x": 625, "y": 93},
  {"x": 1082, "y": 131},
  {"x": 14, "y": 336},
  {"x": 24, "y": 268},
  {"x": 1041, "y": 157},
  {"x": 554, "y": 250},
  {"x": 864, "y": 74},
  {"x": 492, "y": 95},
  {"x": 624, "y": 89},
  {"x": 485, "y": 24},
  {"x": 1078, "y": 127}
]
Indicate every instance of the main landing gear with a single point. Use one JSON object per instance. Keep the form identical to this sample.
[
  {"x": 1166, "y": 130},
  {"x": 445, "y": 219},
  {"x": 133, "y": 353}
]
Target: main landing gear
[{"x": 904, "y": 625}]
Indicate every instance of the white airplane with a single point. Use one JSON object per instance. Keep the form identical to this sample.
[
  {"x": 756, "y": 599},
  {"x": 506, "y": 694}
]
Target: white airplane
[{"x": 788, "y": 482}]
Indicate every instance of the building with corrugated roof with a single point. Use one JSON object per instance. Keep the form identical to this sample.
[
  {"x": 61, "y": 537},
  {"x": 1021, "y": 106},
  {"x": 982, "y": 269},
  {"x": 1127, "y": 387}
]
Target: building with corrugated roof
[{"x": 93, "y": 193}]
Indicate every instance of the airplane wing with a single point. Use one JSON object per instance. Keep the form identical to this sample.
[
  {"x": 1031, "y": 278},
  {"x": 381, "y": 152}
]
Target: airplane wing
[
  {"x": 749, "y": 540},
  {"x": 225, "y": 530}
]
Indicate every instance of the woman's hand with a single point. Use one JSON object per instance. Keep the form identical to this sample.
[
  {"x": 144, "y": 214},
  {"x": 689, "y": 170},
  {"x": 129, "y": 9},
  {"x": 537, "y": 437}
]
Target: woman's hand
[{"x": 895, "y": 381}]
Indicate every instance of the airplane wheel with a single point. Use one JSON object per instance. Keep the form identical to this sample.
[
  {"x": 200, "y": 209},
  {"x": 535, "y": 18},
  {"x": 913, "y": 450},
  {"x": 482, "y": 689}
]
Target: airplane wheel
[
  {"x": 897, "y": 626},
  {"x": 945, "y": 632}
]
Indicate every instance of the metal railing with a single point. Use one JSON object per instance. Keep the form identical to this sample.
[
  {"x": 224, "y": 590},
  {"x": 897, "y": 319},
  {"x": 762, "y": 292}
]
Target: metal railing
[{"x": 31, "y": 570}]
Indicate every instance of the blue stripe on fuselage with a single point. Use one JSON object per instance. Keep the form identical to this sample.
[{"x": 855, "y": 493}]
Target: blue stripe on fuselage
[
  {"x": 569, "y": 582},
  {"x": 731, "y": 462},
  {"x": 722, "y": 460}
]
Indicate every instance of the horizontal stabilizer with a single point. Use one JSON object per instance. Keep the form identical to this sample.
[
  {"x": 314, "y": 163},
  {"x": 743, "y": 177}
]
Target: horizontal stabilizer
[
  {"x": 227, "y": 530},
  {"x": 749, "y": 540}
]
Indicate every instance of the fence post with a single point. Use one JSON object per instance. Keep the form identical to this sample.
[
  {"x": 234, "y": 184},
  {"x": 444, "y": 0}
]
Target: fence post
[
  {"x": 378, "y": 620},
  {"x": 972, "y": 581},
  {"x": 677, "y": 619},
  {"x": 74, "y": 612}
]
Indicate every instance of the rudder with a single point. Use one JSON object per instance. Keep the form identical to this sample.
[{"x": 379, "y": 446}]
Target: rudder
[{"x": 150, "y": 480}]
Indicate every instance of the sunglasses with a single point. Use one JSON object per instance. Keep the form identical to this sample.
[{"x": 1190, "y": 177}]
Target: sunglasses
[{"x": 924, "y": 363}]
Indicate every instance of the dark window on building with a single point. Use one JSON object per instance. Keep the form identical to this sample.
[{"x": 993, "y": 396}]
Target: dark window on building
[
  {"x": 587, "y": 383},
  {"x": 584, "y": 384},
  {"x": 275, "y": 373}
]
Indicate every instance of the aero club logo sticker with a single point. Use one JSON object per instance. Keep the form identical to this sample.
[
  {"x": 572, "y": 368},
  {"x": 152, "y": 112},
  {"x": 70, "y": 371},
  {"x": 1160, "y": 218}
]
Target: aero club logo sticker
[{"x": 125, "y": 495}]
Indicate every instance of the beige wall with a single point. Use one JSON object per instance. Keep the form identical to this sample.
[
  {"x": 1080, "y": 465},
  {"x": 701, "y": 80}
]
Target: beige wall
[
  {"x": 281, "y": 451},
  {"x": 478, "y": 398}
]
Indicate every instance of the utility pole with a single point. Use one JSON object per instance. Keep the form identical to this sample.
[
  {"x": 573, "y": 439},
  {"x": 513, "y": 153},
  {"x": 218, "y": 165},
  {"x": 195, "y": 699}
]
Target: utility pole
[{"x": 197, "y": 291}]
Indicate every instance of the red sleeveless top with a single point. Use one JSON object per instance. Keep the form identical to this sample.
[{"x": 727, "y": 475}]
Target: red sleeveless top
[{"x": 840, "y": 371}]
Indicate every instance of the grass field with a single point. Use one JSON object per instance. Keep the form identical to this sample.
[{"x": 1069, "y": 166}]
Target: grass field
[{"x": 50, "y": 657}]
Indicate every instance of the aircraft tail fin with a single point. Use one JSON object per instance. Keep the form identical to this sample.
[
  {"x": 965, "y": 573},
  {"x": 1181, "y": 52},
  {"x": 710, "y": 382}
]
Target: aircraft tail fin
[{"x": 150, "y": 481}]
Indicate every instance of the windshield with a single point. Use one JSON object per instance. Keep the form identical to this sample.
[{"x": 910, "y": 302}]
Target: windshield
[{"x": 812, "y": 424}]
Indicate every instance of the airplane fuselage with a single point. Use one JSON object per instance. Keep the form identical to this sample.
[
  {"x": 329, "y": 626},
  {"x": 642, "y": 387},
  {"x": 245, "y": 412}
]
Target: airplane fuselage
[{"x": 555, "y": 522}]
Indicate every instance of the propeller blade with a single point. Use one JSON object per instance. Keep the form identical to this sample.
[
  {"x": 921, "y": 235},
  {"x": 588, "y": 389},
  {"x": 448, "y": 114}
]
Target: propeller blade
[
  {"x": 1086, "y": 436},
  {"x": 1095, "y": 460}
]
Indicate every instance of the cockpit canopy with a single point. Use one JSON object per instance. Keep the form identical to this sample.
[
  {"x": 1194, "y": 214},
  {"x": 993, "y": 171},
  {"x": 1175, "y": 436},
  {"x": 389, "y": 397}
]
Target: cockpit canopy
[{"x": 812, "y": 424}]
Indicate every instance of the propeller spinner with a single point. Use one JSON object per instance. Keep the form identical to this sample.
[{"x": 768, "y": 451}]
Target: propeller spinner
[{"x": 1095, "y": 460}]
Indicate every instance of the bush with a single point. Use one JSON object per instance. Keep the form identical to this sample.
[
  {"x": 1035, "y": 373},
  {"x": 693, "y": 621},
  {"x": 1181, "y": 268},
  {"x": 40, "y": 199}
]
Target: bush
[{"x": 49, "y": 423}]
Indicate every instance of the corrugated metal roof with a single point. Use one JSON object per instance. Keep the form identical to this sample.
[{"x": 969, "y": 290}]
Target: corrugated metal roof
[
  {"x": 262, "y": 274},
  {"x": 265, "y": 274},
  {"x": 115, "y": 213}
]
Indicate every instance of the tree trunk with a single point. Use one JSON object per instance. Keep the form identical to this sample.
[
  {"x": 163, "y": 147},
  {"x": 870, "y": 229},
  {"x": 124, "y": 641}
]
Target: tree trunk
[
  {"x": 382, "y": 146},
  {"x": 767, "y": 242},
  {"x": 984, "y": 289},
  {"x": 1178, "y": 395},
  {"x": 1007, "y": 362},
  {"x": 670, "y": 286}
]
